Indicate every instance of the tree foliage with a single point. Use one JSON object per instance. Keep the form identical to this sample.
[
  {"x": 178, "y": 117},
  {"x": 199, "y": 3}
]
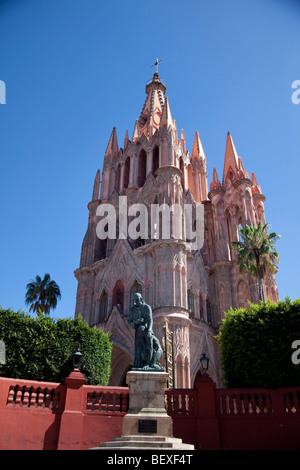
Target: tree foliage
[
  {"x": 42, "y": 294},
  {"x": 256, "y": 251},
  {"x": 42, "y": 348},
  {"x": 256, "y": 345}
]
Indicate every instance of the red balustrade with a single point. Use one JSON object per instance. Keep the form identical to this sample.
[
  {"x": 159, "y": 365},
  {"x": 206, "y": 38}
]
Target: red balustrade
[{"x": 72, "y": 415}]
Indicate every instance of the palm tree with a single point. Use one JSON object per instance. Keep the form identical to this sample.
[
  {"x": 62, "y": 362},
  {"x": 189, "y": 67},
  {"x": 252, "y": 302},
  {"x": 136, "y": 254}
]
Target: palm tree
[
  {"x": 256, "y": 252},
  {"x": 42, "y": 294}
]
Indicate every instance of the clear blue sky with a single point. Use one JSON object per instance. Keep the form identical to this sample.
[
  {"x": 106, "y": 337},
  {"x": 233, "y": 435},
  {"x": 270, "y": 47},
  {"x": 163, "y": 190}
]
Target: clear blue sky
[{"x": 73, "y": 69}]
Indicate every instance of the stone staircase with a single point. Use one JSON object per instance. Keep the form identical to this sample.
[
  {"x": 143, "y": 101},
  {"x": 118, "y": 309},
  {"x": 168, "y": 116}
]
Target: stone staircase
[{"x": 144, "y": 443}]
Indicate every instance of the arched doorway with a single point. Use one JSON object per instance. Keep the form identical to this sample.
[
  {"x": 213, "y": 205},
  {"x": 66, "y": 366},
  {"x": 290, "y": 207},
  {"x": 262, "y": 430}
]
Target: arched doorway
[{"x": 121, "y": 363}]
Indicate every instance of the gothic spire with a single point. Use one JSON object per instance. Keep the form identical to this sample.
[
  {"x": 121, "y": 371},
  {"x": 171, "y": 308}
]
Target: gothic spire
[
  {"x": 166, "y": 118},
  {"x": 182, "y": 140},
  {"x": 198, "y": 151},
  {"x": 126, "y": 140},
  {"x": 230, "y": 160},
  {"x": 256, "y": 189},
  {"x": 136, "y": 133},
  {"x": 112, "y": 147},
  {"x": 150, "y": 117},
  {"x": 215, "y": 184}
]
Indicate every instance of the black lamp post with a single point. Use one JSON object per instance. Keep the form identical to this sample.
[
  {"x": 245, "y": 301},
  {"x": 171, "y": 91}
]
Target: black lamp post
[
  {"x": 204, "y": 361},
  {"x": 77, "y": 359}
]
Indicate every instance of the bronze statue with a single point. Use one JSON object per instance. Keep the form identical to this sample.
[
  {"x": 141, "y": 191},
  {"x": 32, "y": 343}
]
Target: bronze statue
[{"x": 147, "y": 347}]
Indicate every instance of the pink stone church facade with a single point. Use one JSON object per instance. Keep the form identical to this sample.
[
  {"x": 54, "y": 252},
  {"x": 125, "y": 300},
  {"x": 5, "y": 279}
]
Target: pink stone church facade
[{"x": 188, "y": 290}]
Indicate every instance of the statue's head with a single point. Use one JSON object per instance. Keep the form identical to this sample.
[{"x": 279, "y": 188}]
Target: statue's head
[{"x": 138, "y": 298}]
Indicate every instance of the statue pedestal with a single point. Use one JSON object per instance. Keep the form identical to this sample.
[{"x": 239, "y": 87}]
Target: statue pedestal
[
  {"x": 147, "y": 424},
  {"x": 147, "y": 413}
]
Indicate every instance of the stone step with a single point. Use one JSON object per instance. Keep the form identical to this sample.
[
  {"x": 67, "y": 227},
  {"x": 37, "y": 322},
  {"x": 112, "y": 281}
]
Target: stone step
[
  {"x": 131, "y": 444},
  {"x": 144, "y": 442},
  {"x": 141, "y": 447},
  {"x": 169, "y": 449},
  {"x": 144, "y": 437}
]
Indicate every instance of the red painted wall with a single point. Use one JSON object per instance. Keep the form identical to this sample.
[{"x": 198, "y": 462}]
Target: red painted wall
[
  {"x": 241, "y": 419},
  {"x": 25, "y": 422},
  {"x": 39, "y": 415}
]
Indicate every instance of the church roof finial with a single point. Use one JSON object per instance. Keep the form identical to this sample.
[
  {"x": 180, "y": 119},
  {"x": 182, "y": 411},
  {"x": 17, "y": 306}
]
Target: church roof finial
[
  {"x": 155, "y": 81},
  {"x": 156, "y": 65}
]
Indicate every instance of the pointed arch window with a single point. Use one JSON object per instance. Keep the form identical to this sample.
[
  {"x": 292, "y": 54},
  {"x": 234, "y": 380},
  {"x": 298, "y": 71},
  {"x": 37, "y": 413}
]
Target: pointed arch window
[
  {"x": 191, "y": 303},
  {"x": 103, "y": 306},
  {"x": 118, "y": 295},
  {"x": 209, "y": 312},
  {"x": 229, "y": 235},
  {"x": 136, "y": 288},
  {"x": 181, "y": 167},
  {"x": 100, "y": 249},
  {"x": 142, "y": 168},
  {"x": 126, "y": 173},
  {"x": 155, "y": 160},
  {"x": 118, "y": 178},
  {"x": 201, "y": 307}
]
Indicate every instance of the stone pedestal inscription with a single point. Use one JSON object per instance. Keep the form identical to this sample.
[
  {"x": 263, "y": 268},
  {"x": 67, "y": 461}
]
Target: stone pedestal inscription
[{"x": 147, "y": 426}]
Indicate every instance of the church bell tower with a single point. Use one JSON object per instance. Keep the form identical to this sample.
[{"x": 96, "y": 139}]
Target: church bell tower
[{"x": 188, "y": 287}]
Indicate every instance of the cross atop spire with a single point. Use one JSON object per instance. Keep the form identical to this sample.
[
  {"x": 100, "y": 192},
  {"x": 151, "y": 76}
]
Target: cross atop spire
[{"x": 156, "y": 65}]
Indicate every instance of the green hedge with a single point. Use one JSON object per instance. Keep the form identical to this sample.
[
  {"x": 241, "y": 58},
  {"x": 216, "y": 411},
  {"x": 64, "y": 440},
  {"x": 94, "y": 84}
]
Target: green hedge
[
  {"x": 256, "y": 345},
  {"x": 42, "y": 348}
]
